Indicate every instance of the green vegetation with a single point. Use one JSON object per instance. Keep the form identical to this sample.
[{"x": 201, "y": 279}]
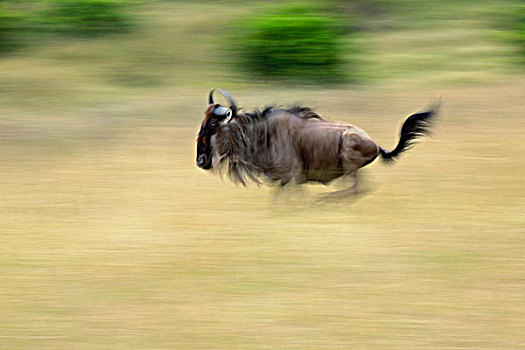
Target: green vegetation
[
  {"x": 24, "y": 22},
  {"x": 87, "y": 17},
  {"x": 354, "y": 41},
  {"x": 10, "y": 29},
  {"x": 298, "y": 42},
  {"x": 518, "y": 30}
]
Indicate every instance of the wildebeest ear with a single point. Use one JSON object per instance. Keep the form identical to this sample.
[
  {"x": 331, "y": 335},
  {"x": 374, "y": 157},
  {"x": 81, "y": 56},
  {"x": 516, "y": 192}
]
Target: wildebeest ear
[{"x": 228, "y": 119}]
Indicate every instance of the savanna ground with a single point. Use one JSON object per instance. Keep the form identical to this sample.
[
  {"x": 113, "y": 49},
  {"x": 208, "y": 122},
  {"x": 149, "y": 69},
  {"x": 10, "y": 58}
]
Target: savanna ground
[{"x": 111, "y": 238}]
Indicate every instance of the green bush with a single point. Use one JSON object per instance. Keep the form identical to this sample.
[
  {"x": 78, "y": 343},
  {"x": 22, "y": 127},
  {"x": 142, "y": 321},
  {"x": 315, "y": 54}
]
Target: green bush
[
  {"x": 88, "y": 17},
  {"x": 296, "y": 43},
  {"x": 519, "y": 30},
  {"x": 10, "y": 31}
]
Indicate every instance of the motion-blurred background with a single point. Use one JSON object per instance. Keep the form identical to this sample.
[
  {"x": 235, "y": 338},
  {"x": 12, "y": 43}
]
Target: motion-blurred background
[{"x": 111, "y": 238}]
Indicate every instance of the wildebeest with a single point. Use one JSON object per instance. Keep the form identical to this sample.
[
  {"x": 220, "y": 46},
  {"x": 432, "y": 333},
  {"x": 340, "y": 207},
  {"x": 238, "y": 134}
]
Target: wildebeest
[{"x": 292, "y": 144}]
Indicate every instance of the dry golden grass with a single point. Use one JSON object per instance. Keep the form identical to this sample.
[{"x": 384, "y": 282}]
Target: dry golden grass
[{"x": 113, "y": 239}]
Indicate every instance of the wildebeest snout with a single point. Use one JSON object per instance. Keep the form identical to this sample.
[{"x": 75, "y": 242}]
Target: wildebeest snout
[{"x": 203, "y": 161}]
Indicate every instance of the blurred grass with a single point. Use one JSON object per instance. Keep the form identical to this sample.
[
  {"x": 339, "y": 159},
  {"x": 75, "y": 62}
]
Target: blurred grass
[
  {"x": 125, "y": 244},
  {"x": 111, "y": 238}
]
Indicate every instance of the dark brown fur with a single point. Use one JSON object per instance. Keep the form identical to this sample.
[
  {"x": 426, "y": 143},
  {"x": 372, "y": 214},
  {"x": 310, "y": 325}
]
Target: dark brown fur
[{"x": 297, "y": 145}]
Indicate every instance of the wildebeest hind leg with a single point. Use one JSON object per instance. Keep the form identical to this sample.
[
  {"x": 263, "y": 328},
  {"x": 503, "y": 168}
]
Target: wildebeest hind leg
[{"x": 348, "y": 192}]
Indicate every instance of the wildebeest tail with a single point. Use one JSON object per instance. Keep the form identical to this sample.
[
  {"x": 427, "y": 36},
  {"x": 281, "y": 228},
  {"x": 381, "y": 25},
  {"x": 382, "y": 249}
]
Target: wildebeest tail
[{"x": 415, "y": 126}]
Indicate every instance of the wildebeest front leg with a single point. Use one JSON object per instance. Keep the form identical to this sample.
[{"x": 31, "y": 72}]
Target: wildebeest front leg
[{"x": 288, "y": 192}]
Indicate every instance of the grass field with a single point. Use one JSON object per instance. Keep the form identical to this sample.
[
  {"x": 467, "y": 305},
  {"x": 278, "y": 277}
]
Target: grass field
[{"x": 111, "y": 238}]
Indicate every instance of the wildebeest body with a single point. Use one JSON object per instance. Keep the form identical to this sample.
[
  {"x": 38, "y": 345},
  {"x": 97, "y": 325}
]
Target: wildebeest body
[{"x": 291, "y": 144}]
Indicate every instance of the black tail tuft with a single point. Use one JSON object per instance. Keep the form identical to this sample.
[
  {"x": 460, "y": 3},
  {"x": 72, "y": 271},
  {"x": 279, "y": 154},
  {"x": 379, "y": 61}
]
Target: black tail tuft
[{"x": 415, "y": 126}]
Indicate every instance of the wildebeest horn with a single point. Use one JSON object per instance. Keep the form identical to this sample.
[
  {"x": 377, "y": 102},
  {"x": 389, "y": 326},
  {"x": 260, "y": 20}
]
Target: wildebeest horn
[
  {"x": 230, "y": 99},
  {"x": 210, "y": 98}
]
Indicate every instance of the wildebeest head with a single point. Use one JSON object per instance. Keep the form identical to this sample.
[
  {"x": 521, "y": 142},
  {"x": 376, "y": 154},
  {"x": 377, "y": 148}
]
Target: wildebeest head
[{"x": 215, "y": 117}]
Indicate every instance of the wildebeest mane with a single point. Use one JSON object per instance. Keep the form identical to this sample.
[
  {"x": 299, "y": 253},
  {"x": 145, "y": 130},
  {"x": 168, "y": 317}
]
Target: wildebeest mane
[
  {"x": 249, "y": 142},
  {"x": 266, "y": 112}
]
